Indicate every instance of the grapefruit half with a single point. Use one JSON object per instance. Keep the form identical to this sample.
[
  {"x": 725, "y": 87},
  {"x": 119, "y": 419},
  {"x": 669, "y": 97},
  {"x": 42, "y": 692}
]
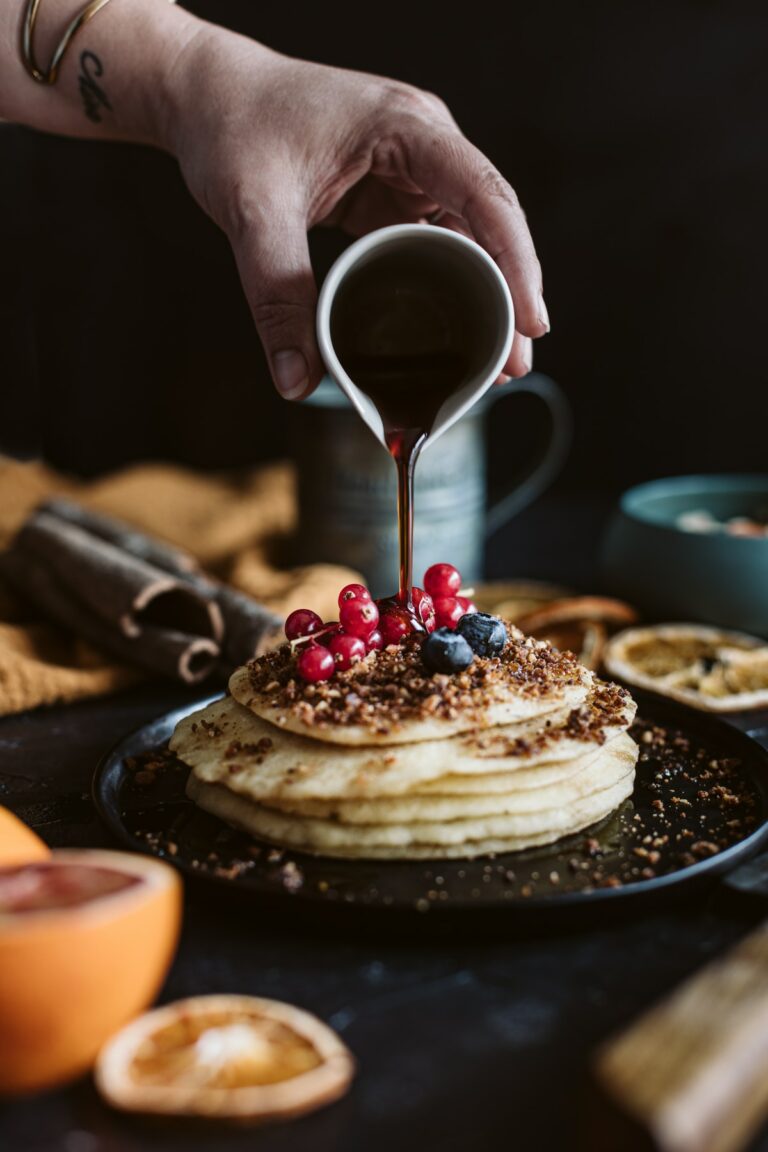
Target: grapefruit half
[{"x": 86, "y": 939}]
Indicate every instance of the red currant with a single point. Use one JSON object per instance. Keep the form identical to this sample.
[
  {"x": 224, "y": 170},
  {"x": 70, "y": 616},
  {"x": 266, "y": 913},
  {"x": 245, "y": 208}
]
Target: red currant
[
  {"x": 359, "y": 617},
  {"x": 353, "y": 592},
  {"x": 466, "y": 605},
  {"x": 375, "y": 642},
  {"x": 442, "y": 580},
  {"x": 425, "y": 609},
  {"x": 315, "y": 663},
  {"x": 395, "y": 625},
  {"x": 347, "y": 650},
  {"x": 448, "y": 612},
  {"x": 302, "y": 622}
]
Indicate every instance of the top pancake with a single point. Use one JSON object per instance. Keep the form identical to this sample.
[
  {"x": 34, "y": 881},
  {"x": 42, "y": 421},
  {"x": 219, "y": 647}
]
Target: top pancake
[{"x": 390, "y": 698}]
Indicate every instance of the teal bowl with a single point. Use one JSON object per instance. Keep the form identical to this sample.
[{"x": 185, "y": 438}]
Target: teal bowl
[{"x": 670, "y": 573}]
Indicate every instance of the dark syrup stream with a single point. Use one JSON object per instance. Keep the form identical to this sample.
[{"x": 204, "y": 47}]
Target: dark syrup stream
[{"x": 408, "y": 396}]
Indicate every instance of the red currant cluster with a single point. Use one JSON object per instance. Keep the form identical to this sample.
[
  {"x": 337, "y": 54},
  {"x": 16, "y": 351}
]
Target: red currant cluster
[
  {"x": 436, "y": 605},
  {"x": 442, "y": 585},
  {"x": 337, "y": 643},
  {"x": 365, "y": 625}
]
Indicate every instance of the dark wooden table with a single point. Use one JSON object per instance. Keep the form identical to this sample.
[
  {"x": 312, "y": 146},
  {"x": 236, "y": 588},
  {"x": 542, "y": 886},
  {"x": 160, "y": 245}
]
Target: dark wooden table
[{"x": 465, "y": 1041}]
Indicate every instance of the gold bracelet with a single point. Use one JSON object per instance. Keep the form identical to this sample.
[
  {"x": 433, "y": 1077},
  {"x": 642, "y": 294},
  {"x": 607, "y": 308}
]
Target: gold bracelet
[{"x": 28, "y": 28}]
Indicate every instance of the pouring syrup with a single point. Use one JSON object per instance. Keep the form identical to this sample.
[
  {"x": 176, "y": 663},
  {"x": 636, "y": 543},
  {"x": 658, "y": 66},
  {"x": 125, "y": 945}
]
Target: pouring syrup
[{"x": 402, "y": 327}]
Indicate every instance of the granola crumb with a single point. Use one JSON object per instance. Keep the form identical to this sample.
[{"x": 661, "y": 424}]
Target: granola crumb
[{"x": 392, "y": 686}]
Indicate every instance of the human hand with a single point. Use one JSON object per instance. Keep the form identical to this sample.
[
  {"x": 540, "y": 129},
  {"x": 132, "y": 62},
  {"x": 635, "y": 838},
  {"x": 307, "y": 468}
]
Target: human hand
[{"x": 271, "y": 146}]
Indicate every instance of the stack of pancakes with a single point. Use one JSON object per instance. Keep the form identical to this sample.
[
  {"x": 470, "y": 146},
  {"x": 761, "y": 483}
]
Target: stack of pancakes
[{"x": 389, "y": 761}]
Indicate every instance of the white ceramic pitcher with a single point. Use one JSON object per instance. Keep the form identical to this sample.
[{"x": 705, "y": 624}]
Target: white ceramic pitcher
[{"x": 479, "y": 273}]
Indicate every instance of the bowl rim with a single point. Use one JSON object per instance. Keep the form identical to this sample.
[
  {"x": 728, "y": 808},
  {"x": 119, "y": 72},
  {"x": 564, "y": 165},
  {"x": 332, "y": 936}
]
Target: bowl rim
[{"x": 632, "y": 501}]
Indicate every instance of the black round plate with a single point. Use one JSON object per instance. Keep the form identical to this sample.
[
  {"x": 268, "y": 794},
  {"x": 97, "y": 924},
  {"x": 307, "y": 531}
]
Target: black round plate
[{"x": 699, "y": 807}]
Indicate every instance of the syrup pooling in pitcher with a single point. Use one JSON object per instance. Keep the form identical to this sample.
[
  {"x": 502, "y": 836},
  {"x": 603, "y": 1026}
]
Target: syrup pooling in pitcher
[{"x": 406, "y": 327}]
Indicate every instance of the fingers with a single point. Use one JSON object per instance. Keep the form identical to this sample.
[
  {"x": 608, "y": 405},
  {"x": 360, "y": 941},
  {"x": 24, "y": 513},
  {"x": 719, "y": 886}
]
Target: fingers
[
  {"x": 457, "y": 175},
  {"x": 520, "y": 359},
  {"x": 273, "y": 260}
]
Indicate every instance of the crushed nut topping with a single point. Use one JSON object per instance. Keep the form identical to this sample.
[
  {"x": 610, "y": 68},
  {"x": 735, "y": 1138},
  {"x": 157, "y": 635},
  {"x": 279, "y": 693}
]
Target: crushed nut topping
[
  {"x": 607, "y": 706},
  {"x": 393, "y": 686}
]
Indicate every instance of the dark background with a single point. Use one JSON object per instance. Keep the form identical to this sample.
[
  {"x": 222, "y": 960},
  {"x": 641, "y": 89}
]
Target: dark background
[{"x": 635, "y": 135}]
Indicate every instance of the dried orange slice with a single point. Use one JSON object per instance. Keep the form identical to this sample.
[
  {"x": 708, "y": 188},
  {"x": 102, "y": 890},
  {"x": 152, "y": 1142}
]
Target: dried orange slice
[
  {"x": 514, "y": 598},
  {"x": 708, "y": 668},
  {"x": 579, "y": 624},
  {"x": 86, "y": 938},
  {"x": 18, "y": 843},
  {"x": 236, "y": 1058}
]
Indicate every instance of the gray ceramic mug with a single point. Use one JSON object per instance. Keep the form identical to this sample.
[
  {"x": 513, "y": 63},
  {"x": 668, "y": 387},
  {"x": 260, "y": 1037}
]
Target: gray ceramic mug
[{"x": 348, "y": 492}]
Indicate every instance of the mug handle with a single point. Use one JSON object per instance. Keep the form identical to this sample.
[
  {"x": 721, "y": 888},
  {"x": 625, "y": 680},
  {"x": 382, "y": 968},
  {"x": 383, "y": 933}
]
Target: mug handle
[{"x": 545, "y": 470}]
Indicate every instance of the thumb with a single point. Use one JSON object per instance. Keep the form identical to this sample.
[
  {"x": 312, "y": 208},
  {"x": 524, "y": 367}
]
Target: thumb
[{"x": 273, "y": 260}]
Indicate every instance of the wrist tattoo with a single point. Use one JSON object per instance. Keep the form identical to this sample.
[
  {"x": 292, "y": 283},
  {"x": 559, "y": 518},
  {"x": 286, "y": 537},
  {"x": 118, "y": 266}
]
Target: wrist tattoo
[{"x": 93, "y": 95}]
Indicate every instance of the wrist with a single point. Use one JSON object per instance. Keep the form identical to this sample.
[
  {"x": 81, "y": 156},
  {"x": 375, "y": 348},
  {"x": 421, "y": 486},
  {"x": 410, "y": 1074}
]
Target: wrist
[
  {"x": 112, "y": 78},
  {"x": 143, "y": 47},
  {"x": 204, "y": 72},
  {"x": 176, "y": 38}
]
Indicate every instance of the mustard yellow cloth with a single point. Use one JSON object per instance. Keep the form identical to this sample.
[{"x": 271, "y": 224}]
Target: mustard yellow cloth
[{"x": 236, "y": 526}]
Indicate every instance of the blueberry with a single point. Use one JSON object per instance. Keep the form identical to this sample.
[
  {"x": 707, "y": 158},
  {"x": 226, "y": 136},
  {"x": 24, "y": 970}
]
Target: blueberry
[
  {"x": 486, "y": 635},
  {"x": 445, "y": 651}
]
